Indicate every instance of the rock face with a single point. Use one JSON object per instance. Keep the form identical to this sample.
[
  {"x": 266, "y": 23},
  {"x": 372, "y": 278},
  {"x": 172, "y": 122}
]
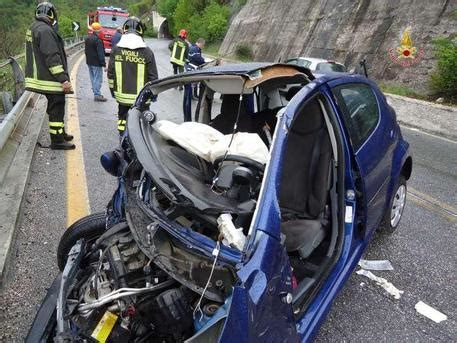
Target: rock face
[{"x": 347, "y": 31}]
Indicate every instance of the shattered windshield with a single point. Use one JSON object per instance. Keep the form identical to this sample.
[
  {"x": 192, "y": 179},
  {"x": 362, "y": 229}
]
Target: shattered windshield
[{"x": 111, "y": 21}]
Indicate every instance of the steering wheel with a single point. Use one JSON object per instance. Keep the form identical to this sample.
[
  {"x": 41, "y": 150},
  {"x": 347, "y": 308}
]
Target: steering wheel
[{"x": 241, "y": 159}]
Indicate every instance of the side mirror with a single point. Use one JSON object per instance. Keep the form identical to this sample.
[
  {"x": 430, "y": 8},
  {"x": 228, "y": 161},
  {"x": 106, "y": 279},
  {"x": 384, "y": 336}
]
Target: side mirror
[
  {"x": 110, "y": 162},
  {"x": 150, "y": 116}
]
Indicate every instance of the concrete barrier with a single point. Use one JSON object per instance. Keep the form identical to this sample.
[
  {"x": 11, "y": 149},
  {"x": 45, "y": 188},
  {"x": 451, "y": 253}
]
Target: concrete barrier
[{"x": 426, "y": 116}]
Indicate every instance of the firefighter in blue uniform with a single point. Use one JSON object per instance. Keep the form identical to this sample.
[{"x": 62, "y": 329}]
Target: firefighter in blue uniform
[
  {"x": 46, "y": 71},
  {"x": 196, "y": 60},
  {"x": 195, "y": 53},
  {"x": 131, "y": 65}
]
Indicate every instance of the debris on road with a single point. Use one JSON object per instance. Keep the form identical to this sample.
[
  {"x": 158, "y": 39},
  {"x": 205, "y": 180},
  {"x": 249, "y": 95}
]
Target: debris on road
[
  {"x": 430, "y": 312},
  {"x": 389, "y": 287},
  {"x": 376, "y": 264}
]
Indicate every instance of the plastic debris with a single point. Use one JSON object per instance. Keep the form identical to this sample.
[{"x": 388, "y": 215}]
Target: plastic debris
[
  {"x": 430, "y": 312},
  {"x": 232, "y": 235},
  {"x": 376, "y": 264},
  {"x": 389, "y": 287}
]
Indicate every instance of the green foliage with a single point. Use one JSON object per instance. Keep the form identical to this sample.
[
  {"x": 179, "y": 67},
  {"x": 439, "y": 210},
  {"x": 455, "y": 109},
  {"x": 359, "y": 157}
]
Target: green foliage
[
  {"x": 443, "y": 81},
  {"x": 65, "y": 27},
  {"x": 202, "y": 18},
  {"x": 151, "y": 32},
  {"x": 215, "y": 19},
  {"x": 244, "y": 52},
  {"x": 401, "y": 90},
  {"x": 142, "y": 8},
  {"x": 167, "y": 8}
]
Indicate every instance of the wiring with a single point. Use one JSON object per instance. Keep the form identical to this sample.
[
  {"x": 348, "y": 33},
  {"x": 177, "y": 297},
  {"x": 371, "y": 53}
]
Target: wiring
[{"x": 198, "y": 308}]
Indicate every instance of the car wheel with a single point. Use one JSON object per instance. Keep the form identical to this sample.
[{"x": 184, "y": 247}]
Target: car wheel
[
  {"x": 89, "y": 228},
  {"x": 397, "y": 205}
]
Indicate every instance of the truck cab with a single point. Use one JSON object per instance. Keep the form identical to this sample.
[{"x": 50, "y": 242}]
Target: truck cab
[{"x": 110, "y": 18}]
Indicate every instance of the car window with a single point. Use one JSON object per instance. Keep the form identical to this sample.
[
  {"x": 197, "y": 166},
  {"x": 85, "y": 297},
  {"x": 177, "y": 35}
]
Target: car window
[
  {"x": 292, "y": 61},
  {"x": 328, "y": 66},
  {"x": 304, "y": 63},
  {"x": 360, "y": 111}
]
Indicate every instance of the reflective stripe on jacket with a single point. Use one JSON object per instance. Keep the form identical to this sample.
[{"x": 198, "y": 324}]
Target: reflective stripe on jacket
[
  {"x": 128, "y": 72},
  {"x": 179, "y": 52},
  {"x": 45, "y": 60}
]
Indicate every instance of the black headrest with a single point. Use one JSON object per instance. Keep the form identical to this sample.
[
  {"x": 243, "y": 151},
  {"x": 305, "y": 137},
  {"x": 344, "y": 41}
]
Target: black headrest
[
  {"x": 292, "y": 91},
  {"x": 310, "y": 120}
]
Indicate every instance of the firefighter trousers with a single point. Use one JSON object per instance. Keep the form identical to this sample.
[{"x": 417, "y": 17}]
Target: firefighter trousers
[
  {"x": 56, "y": 113},
  {"x": 177, "y": 69},
  {"x": 122, "y": 118}
]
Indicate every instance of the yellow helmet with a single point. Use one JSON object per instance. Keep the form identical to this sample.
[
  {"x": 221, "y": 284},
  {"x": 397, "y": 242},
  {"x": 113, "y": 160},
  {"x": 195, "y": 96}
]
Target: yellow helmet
[{"x": 96, "y": 26}]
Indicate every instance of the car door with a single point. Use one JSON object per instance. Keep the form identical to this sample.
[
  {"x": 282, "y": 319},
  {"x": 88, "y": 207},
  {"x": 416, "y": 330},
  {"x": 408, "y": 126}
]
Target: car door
[{"x": 369, "y": 134}]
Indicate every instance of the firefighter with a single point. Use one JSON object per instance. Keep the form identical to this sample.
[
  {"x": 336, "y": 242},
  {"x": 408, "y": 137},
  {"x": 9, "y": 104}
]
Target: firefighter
[
  {"x": 179, "y": 49},
  {"x": 131, "y": 65},
  {"x": 46, "y": 71}
]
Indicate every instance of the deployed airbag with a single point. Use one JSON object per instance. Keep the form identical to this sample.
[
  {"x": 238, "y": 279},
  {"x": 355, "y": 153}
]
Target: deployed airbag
[{"x": 209, "y": 144}]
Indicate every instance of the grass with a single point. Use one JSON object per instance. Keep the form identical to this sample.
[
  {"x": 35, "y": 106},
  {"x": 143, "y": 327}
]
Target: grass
[
  {"x": 213, "y": 50},
  {"x": 408, "y": 92},
  {"x": 402, "y": 90}
]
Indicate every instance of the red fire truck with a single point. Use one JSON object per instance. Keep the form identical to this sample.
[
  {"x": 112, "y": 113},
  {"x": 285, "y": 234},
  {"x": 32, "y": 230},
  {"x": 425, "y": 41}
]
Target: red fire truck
[{"x": 109, "y": 18}]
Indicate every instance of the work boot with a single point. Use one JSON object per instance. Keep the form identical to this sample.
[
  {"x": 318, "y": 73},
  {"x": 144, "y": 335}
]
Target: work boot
[
  {"x": 67, "y": 137},
  {"x": 58, "y": 143},
  {"x": 100, "y": 98}
]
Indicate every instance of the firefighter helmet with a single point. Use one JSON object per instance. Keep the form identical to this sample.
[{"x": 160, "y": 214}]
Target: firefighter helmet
[
  {"x": 183, "y": 33},
  {"x": 134, "y": 25},
  {"x": 47, "y": 11}
]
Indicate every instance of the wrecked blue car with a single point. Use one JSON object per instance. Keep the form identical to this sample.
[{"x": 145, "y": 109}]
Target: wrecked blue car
[{"x": 240, "y": 223}]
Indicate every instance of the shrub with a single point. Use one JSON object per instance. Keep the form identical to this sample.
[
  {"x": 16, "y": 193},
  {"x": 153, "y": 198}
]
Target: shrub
[
  {"x": 443, "y": 81},
  {"x": 151, "y": 32},
  {"x": 244, "y": 52},
  {"x": 215, "y": 19},
  {"x": 202, "y": 18}
]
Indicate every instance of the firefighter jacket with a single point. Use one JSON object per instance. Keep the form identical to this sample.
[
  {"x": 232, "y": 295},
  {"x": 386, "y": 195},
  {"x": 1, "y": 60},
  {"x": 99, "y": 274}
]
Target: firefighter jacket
[
  {"x": 131, "y": 65},
  {"x": 46, "y": 62},
  {"x": 179, "y": 49}
]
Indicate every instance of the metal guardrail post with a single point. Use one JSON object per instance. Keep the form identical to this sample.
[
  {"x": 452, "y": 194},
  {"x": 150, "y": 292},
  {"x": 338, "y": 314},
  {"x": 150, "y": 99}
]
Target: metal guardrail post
[{"x": 18, "y": 76}]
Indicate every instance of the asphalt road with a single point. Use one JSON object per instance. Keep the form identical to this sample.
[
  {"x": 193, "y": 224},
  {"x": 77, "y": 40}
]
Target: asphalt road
[{"x": 422, "y": 250}]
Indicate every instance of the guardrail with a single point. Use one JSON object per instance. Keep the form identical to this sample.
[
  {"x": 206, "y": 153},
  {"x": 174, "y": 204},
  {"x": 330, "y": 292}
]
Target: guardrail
[{"x": 15, "y": 105}]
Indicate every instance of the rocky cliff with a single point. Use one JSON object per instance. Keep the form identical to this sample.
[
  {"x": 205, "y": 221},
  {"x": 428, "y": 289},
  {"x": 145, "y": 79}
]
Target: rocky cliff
[{"x": 347, "y": 31}]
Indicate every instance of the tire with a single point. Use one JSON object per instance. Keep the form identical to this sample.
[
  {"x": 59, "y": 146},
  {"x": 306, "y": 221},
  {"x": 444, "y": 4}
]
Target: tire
[
  {"x": 397, "y": 203},
  {"x": 89, "y": 228}
]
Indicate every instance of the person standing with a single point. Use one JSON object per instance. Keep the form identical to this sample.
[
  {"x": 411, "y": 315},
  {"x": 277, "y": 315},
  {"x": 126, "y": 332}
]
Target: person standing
[
  {"x": 131, "y": 65},
  {"x": 46, "y": 71},
  {"x": 196, "y": 60},
  {"x": 195, "y": 53},
  {"x": 179, "y": 49},
  {"x": 95, "y": 60},
  {"x": 116, "y": 37}
]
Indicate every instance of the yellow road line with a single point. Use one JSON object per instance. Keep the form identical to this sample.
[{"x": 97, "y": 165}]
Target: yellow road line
[{"x": 76, "y": 185}]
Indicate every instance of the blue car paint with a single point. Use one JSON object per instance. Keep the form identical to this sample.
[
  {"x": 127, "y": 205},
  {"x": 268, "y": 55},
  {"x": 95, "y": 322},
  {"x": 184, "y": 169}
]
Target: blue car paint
[
  {"x": 259, "y": 310},
  {"x": 253, "y": 309}
]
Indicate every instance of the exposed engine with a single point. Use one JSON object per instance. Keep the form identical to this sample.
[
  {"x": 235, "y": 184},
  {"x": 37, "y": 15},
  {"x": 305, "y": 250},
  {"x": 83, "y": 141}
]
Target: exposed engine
[{"x": 118, "y": 294}]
